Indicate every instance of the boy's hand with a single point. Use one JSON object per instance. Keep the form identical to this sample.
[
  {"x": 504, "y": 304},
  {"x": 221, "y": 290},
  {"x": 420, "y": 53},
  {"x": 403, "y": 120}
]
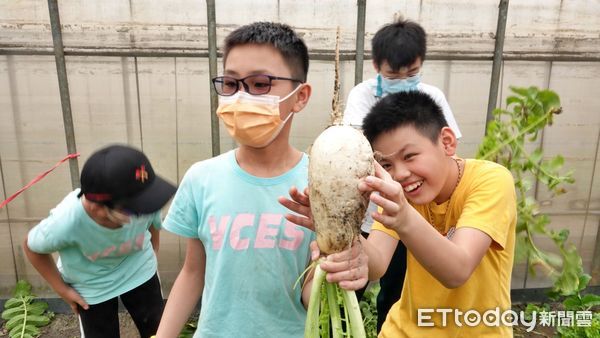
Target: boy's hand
[
  {"x": 72, "y": 297},
  {"x": 300, "y": 204},
  {"x": 348, "y": 268},
  {"x": 390, "y": 198}
]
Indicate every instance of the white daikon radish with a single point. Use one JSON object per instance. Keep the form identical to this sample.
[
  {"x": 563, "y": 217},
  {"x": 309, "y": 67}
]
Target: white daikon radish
[{"x": 339, "y": 158}]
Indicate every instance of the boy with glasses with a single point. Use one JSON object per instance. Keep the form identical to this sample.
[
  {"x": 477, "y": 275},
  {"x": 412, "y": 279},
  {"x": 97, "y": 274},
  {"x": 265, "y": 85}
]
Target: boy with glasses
[
  {"x": 243, "y": 257},
  {"x": 398, "y": 54},
  {"x": 106, "y": 235}
]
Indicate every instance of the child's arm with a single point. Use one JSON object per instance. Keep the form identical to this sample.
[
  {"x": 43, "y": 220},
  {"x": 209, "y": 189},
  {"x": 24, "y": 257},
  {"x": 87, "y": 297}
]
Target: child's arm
[
  {"x": 450, "y": 261},
  {"x": 307, "y": 286},
  {"x": 185, "y": 292},
  {"x": 380, "y": 248},
  {"x": 44, "y": 264},
  {"x": 154, "y": 238}
]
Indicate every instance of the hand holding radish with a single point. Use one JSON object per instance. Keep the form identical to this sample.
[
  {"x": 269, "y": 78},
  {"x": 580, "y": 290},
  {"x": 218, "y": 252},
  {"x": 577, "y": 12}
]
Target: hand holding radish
[
  {"x": 349, "y": 268},
  {"x": 300, "y": 204}
]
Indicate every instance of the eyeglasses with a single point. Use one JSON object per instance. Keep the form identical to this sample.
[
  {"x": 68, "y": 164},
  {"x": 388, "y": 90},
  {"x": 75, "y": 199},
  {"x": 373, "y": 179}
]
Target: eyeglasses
[{"x": 259, "y": 84}]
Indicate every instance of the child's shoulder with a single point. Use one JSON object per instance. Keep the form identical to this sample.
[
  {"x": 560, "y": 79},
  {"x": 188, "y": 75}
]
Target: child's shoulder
[
  {"x": 365, "y": 87},
  {"x": 213, "y": 163},
  {"x": 67, "y": 211},
  {"x": 485, "y": 165},
  {"x": 483, "y": 169}
]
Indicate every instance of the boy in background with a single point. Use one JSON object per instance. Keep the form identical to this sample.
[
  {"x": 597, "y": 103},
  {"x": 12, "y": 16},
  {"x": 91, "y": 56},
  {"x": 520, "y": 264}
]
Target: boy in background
[{"x": 398, "y": 51}]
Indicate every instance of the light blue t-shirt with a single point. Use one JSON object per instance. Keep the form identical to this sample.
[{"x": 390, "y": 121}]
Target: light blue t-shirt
[
  {"x": 253, "y": 254},
  {"x": 100, "y": 263}
]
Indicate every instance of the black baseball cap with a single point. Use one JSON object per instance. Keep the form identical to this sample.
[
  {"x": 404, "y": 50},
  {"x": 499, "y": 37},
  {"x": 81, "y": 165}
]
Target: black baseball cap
[{"x": 121, "y": 176}]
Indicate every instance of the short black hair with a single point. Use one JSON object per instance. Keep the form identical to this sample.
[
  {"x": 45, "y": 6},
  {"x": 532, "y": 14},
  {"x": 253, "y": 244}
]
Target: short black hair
[
  {"x": 399, "y": 44},
  {"x": 280, "y": 36},
  {"x": 413, "y": 108}
]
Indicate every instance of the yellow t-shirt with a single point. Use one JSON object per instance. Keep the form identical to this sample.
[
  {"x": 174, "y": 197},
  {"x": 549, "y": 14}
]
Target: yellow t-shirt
[{"x": 485, "y": 200}]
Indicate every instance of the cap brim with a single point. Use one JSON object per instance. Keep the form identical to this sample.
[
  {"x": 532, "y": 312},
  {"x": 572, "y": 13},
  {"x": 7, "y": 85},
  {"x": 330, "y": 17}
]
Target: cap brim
[{"x": 152, "y": 198}]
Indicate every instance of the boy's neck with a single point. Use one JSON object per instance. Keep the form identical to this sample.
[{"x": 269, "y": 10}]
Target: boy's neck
[
  {"x": 274, "y": 160},
  {"x": 456, "y": 171}
]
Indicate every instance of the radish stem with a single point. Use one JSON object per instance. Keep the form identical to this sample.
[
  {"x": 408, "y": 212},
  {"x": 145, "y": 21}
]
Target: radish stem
[
  {"x": 324, "y": 318},
  {"x": 312, "y": 316},
  {"x": 355, "y": 317},
  {"x": 334, "y": 311}
]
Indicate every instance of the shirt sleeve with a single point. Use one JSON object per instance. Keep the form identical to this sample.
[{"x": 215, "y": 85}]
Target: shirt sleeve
[
  {"x": 49, "y": 235},
  {"x": 182, "y": 218},
  {"x": 491, "y": 204},
  {"x": 157, "y": 220},
  {"x": 359, "y": 103}
]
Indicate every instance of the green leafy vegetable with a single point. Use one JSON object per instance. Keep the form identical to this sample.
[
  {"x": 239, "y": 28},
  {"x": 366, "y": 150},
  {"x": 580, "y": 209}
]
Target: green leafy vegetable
[{"x": 23, "y": 314}]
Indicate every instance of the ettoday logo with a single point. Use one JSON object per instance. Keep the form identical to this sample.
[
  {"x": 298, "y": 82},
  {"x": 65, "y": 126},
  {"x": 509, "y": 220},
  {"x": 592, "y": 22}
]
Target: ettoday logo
[{"x": 495, "y": 318}]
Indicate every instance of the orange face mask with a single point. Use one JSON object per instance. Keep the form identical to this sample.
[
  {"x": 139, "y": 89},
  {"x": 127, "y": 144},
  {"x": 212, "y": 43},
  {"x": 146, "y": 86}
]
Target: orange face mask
[{"x": 252, "y": 120}]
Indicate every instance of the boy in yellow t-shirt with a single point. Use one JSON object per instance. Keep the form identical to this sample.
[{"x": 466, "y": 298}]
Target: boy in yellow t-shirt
[{"x": 456, "y": 217}]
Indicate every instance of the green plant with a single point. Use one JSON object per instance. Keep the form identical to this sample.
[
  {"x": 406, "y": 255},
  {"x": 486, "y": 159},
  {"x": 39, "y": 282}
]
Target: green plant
[
  {"x": 578, "y": 302},
  {"x": 23, "y": 314},
  {"x": 368, "y": 308},
  {"x": 189, "y": 328},
  {"x": 527, "y": 113}
]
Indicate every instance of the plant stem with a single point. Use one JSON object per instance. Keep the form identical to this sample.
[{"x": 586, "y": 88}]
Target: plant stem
[
  {"x": 334, "y": 310},
  {"x": 24, "y": 318},
  {"x": 513, "y": 138},
  {"x": 535, "y": 164},
  {"x": 312, "y": 316},
  {"x": 355, "y": 322}
]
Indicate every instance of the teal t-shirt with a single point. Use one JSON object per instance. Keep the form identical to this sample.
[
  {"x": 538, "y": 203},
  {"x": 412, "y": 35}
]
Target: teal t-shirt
[
  {"x": 100, "y": 263},
  {"x": 253, "y": 254}
]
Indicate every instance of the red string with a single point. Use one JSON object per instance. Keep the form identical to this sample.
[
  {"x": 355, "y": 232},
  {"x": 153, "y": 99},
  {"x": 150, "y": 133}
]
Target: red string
[{"x": 39, "y": 177}]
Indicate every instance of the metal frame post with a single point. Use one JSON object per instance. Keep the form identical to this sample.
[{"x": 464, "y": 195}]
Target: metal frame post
[
  {"x": 212, "y": 71},
  {"x": 63, "y": 87},
  {"x": 497, "y": 63},
  {"x": 360, "y": 41}
]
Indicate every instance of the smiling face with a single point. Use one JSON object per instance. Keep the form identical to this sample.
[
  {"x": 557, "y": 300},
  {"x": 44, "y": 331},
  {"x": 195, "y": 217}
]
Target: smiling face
[{"x": 424, "y": 169}]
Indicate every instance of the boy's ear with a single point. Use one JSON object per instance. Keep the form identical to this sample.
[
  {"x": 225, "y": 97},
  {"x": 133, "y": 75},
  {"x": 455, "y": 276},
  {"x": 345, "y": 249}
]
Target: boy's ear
[
  {"x": 448, "y": 141},
  {"x": 303, "y": 96}
]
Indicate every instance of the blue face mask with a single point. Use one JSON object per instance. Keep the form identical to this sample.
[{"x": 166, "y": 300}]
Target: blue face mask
[{"x": 390, "y": 86}]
